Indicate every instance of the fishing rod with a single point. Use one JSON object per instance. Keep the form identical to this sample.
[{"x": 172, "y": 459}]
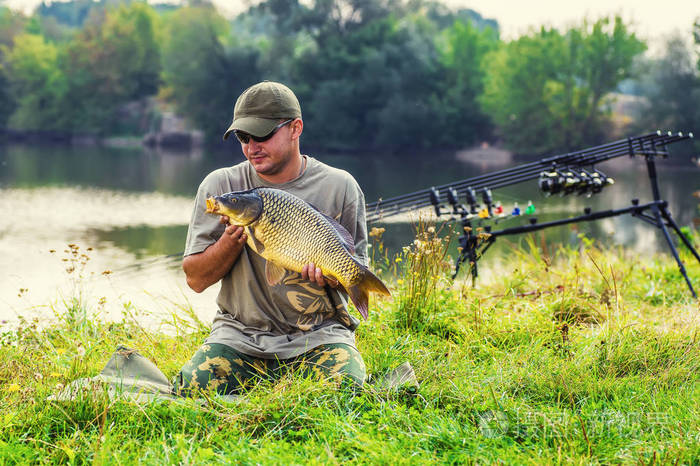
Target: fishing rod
[
  {"x": 472, "y": 188},
  {"x": 571, "y": 173}
]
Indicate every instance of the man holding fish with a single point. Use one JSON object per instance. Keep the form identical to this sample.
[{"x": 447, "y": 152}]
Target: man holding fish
[{"x": 287, "y": 240}]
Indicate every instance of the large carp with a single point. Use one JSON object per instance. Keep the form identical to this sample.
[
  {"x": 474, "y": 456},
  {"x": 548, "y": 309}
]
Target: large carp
[{"x": 290, "y": 233}]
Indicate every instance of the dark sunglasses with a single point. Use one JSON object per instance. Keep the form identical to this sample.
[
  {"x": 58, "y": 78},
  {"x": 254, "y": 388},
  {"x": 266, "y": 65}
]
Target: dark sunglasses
[{"x": 245, "y": 137}]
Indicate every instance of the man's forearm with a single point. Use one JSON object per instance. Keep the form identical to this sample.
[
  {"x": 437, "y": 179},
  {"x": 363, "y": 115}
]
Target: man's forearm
[{"x": 209, "y": 266}]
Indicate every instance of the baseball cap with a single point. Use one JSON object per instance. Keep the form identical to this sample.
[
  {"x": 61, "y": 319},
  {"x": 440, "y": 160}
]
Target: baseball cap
[{"x": 260, "y": 107}]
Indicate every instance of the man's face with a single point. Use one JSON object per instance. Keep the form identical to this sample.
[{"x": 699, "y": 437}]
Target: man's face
[{"x": 271, "y": 157}]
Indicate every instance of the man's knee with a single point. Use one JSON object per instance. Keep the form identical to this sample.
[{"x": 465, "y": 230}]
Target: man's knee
[
  {"x": 337, "y": 361},
  {"x": 214, "y": 367}
]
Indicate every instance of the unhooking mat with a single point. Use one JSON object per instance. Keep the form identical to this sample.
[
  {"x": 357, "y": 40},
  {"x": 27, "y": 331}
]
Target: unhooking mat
[{"x": 131, "y": 376}]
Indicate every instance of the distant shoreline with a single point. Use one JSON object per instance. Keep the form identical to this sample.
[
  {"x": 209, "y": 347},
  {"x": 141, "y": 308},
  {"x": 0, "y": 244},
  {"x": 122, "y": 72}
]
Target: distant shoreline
[{"x": 169, "y": 140}]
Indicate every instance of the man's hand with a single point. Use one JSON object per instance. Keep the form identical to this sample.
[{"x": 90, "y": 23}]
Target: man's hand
[
  {"x": 314, "y": 274},
  {"x": 209, "y": 266},
  {"x": 235, "y": 233}
]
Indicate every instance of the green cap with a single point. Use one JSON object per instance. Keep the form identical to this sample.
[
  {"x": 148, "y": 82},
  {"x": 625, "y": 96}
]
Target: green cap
[{"x": 260, "y": 107}]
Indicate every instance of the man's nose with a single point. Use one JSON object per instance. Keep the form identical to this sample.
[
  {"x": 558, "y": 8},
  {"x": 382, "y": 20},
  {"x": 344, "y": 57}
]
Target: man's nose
[{"x": 253, "y": 145}]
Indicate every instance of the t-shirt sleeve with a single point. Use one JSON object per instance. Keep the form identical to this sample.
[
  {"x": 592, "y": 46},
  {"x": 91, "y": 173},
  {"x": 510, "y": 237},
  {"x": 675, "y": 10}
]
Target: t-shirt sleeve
[
  {"x": 354, "y": 217},
  {"x": 204, "y": 229}
]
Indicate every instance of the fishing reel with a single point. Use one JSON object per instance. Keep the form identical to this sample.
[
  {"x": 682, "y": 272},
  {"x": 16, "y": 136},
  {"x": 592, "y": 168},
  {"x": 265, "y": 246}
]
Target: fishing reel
[{"x": 568, "y": 180}]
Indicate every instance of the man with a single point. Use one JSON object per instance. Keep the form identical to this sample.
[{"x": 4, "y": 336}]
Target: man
[{"x": 302, "y": 323}]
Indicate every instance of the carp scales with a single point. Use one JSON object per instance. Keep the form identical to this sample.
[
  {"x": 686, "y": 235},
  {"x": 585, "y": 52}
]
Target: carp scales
[{"x": 290, "y": 233}]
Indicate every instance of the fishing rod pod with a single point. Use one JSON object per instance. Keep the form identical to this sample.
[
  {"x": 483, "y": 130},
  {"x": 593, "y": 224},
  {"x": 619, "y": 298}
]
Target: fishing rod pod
[{"x": 565, "y": 174}]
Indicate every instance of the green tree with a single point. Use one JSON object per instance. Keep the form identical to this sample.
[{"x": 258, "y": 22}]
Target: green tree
[
  {"x": 463, "y": 51},
  {"x": 545, "y": 91},
  {"x": 204, "y": 69},
  {"x": 49, "y": 28},
  {"x": 671, "y": 90},
  {"x": 369, "y": 80},
  {"x": 36, "y": 82},
  {"x": 111, "y": 62},
  {"x": 277, "y": 29},
  {"x": 71, "y": 13},
  {"x": 7, "y": 102},
  {"x": 129, "y": 59},
  {"x": 11, "y": 24},
  {"x": 445, "y": 17}
]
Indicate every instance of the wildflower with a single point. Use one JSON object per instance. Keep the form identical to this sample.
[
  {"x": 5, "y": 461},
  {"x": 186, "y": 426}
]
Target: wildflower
[
  {"x": 398, "y": 259},
  {"x": 376, "y": 232},
  {"x": 13, "y": 388},
  {"x": 399, "y": 282},
  {"x": 431, "y": 230}
]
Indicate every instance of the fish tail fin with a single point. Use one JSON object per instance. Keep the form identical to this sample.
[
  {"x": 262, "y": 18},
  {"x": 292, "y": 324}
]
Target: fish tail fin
[{"x": 359, "y": 294}]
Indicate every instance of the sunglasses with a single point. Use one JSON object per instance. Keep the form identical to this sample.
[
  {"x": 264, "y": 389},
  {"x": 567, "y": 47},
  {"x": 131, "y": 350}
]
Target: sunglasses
[{"x": 245, "y": 137}]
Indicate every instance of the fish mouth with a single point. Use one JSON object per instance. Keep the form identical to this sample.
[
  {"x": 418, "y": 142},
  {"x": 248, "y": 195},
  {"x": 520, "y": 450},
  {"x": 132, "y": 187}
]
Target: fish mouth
[{"x": 212, "y": 206}]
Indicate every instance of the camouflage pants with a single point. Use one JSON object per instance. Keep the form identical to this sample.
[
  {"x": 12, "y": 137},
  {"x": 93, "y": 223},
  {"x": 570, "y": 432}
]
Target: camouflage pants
[{"x": 219, "y": 367}]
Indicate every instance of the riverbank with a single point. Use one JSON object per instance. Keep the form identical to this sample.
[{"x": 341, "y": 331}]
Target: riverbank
[
  {"x": 578, "y": 355},
  {"x": 171, "y": 140}
]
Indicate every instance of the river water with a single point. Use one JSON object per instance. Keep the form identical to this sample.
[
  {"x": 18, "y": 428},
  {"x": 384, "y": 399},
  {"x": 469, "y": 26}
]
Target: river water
[{"x": 108, "y": 224}]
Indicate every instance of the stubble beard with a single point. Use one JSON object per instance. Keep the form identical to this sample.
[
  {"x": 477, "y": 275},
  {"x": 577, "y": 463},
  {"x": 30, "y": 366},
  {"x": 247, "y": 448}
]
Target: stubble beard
[{"x": 274, "y": 168}]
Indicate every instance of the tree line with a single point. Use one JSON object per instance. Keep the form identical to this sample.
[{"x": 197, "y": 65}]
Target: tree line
[{"x": 369, "y": 73}]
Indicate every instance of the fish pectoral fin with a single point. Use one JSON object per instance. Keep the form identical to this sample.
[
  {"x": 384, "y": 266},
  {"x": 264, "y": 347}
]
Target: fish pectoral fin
[
  {"x": 341, "y": 288},
  {"x": 254, "y": 243},
  {"x": 273, "y": 273}
]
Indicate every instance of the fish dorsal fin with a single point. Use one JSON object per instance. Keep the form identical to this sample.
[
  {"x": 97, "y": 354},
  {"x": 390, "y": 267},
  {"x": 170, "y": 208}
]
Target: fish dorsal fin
[
  {"x": 344, "y": 234},
  {"x": 273, "y": 273}
]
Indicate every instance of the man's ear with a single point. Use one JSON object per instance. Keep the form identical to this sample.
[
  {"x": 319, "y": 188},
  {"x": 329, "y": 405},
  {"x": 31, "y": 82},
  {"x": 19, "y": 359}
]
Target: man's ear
[{"x": 297, "y": 128}]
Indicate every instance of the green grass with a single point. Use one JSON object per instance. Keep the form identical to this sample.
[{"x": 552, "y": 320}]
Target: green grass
[{"x": 582, "y": 356}]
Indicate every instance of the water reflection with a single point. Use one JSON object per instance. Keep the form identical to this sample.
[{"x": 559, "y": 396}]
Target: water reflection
[
  {"x": 132, "y": 205},
  {"x": 143, "y": 241},
  {"x": 113, "y": 230},
  {"x": 128, "y": 169}
]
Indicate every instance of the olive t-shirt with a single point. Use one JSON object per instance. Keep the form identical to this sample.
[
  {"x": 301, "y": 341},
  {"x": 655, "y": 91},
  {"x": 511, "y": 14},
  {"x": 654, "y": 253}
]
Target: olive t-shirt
[{"x": 295, "y": 315}]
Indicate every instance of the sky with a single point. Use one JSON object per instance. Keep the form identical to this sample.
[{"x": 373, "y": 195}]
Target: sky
[{"x": 652, "y": 20}]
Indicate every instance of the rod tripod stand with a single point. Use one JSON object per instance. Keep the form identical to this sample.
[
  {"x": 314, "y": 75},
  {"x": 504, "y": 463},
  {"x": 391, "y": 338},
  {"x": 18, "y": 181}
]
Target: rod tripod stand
[{"x": 475, "y": 242}]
